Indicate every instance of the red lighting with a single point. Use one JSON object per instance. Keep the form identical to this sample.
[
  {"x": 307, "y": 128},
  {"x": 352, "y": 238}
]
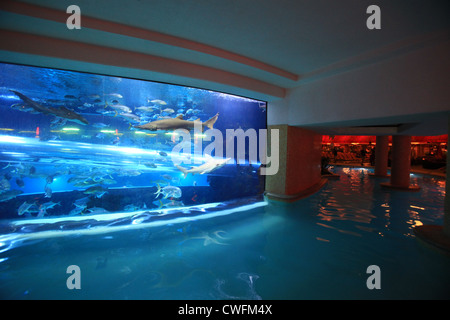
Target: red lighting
[{"x": 347, "y": 139}]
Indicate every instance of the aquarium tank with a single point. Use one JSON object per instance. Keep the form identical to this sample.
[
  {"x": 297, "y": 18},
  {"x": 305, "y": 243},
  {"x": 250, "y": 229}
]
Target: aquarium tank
[{"x": 75, "y": 145}]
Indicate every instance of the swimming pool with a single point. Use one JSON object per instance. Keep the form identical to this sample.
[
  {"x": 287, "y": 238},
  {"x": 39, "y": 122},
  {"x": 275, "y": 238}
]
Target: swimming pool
[{"x": 317, "y": 248}]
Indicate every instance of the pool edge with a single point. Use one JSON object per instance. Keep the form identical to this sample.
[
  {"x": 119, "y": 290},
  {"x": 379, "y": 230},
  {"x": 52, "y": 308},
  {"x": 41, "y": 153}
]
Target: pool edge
[
  {"x": 433, "y": 235},
  {"x": 298, "y": 196}
]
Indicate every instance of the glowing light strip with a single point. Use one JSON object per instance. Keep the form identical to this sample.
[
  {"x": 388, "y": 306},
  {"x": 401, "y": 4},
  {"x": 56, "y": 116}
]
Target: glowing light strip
[
  {"x": 109, "y": 229},
  {"x": 109, "y": 216},
  {"x": 12, "y": 139}
]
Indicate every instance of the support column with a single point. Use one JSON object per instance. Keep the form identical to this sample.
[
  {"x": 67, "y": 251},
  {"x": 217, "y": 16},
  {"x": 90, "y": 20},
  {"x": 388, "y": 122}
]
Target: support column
[
  {"x": 381, "y": 156},
  {"x": 299, "y": 165},
  {"x": 434, "y": 235},
  {"x": 446, "y": 227},
  {"x": 401, "y": 164},
  {"x": 401, "y": 161}
]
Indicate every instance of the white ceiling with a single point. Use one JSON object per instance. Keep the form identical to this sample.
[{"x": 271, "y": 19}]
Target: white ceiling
[
  {"x": 306, "y": 38},
  {"x": 299, "y": 36}
]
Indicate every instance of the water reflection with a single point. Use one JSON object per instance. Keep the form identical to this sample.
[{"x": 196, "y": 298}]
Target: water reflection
[{"x": 357, "y": 201}]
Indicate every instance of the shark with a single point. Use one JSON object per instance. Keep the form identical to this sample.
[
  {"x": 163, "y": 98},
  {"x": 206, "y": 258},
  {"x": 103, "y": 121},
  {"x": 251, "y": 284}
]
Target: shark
[
  {"x": 177, "y": 123},
  {"x": 61, "y": 112},
  {"x": 210, "y": 165}
]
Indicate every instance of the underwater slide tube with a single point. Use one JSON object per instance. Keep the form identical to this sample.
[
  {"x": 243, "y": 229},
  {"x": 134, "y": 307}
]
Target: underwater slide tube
[{"x": 17, "y": 231}]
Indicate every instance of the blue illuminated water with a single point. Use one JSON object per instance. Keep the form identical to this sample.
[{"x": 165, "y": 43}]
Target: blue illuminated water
[
  {"x": 317, "y": 248},
  {"x": 68, "y": 137}
]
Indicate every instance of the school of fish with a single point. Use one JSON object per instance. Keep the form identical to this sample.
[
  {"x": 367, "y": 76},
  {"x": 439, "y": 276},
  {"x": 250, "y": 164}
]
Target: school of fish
[{"x": 156, "y": 116}]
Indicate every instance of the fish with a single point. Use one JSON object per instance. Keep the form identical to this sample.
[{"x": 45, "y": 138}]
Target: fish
[
  {"x": 162, "y": 153},
  {"x": 128, "y": 173},
  {"x": 100, "y": 125},
  {"x": 177, "y": 123},
  {"x": 42, "y": 209},
  {"x": 97, "y": 210},
  {"x": 61, "y": 112},
  {"x": 157, "y": 101},
  {"x": 49, "y": 179},
  {"x": 161, "y": 182},
  {"x": 98, "y": 191},
  {"x": 49, "y": 205},
  {"x": 107, "y": 181},
  {"x": 210, "y": 165},
  {"x": 48, "y": 191},
  {"x": 166, "y": 203},
  {"x": 116, "y": 141},
  {"x": 104, "y": 112},
  {"x": 167, "y": 177},
  {"x": 8, "y": 195},
  {"x": 76, "y": 179},
  {"x": 42, "y": 212},
  {"x": 121, "y": 108},
  {"x": 262, "y": 107},
  {"x": 100, "y": 135},
  {"x": 131, "y": 207},
  {"x": 24, "y": 208},
  {"x": 77, "y": 210},
  {"x": 58, "y": 123},
  {"x": 169, "y": 191},
  {"x": 82, "y": 202},
  {"x": 4, "y": 185},
  {"x": 130, "y": 116},
  {"x": 150, "y": 165},
  {"x": 22, "y": 107},
  {"x": 168, "y": 110},
  {"x": 93, "y": 96},
  {"x": 86, "y": 105},
  {"x": 20, "y": 182},
  {"x": 146, "y": 109},
  {"x": 115, "y": 95}
]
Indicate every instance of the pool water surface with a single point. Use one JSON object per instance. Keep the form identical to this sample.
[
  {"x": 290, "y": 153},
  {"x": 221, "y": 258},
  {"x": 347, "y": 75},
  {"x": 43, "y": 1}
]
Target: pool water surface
[{"x": 317, "y": 248}]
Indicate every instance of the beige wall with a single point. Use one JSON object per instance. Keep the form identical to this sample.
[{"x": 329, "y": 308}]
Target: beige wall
[{"x": 299, "y": 161}]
